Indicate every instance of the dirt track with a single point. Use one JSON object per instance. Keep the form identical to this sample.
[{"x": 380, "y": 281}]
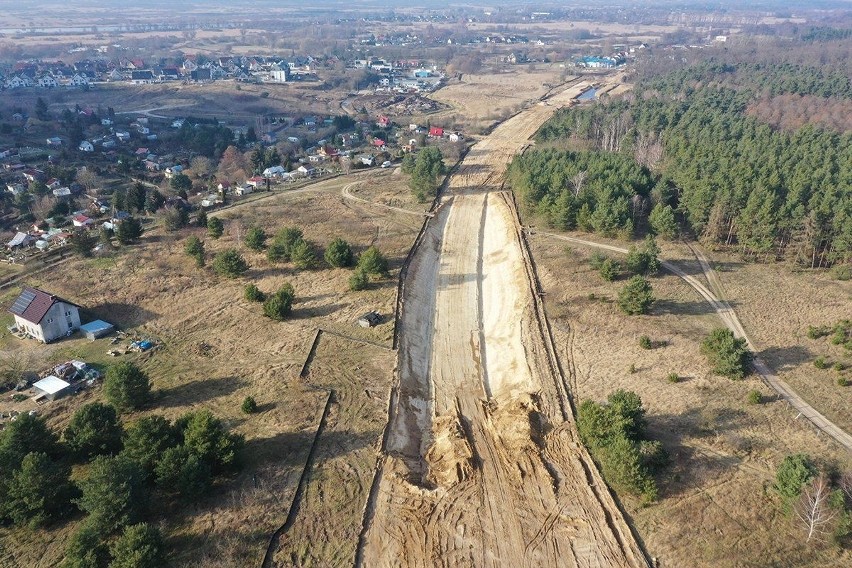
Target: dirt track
[
  {"x": 481, "y": 464},
  {"x": 712, "y": 293}
]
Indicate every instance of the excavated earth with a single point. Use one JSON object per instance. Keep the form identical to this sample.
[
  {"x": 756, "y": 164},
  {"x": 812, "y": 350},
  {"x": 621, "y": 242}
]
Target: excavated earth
[{"x": 482, "y": 465}]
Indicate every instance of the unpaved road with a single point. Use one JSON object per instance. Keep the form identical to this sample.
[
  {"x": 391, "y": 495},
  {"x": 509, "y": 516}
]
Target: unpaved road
[
  {"x": 712, "y": 293},
  {"x": 481, "y": 462}
]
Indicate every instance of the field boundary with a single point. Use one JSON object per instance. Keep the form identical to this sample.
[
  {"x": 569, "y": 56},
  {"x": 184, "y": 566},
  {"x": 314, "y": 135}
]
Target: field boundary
[
  {"x": 312, "y": 351},
  {"x": 275, "y": 539}
]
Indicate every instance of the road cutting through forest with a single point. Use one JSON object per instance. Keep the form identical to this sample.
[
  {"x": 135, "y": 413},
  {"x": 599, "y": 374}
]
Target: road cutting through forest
[{"x": 481, "y": 463}]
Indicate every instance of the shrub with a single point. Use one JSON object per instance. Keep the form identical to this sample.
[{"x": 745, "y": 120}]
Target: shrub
[
  {"x": 253, "y": 294},
  {"x": 662, "y": 220},
  {"x": 183, "y": 472},
  {"x": 249, "y": 405},
  {"x": 175, "y": 218},
  {"x": 359, "y": 280},
  {"x": 230, "y": 264},
  {"x": 302, "y": 255},
  {"x": 38, "y": 493},
  {"x": 373, "y": 262},
  {"x": 636, "y": 297},
  {"x": 754, "y": 397},
  {"x": 28, "y": 433},
  {"x": 215, "y": 227},
  {"x": 85, "y": 548},
  {"x": 127, "y": 386},
  {"x": 255, "y": 239},
  {"x": 644, "y": 260},
  {"x": 82, "y": 242},
  {"x": 147, "y": 439},
  {"x": 645, "y": 342},
  {"x": 113, "y": 493},
  {"x": 339, "y": 254},
  {"x": 609, "y": 269},
  {"x": 838, "y": 366},
  {"x": 795, "y": 470},
  {"x": 201, "y": 219},
  {"x": 139, "y": 546},
  {"x": 839, "y": 336},
  {"x": 195, "y": 248},
  {"x": 94, "y": 430},
  {"x": 817, "y": 332},
  {"x": 205, "y": 436},
  {"x": 842, "y": 381},
  {"x": 728, "y": 355},
  {"x": 128, "y": 231},
  {"x": 673, "y": 378},
  {"x": 632, "y": 368},
  {"x": 279, "y": 305},
  {"x": 282, "y": 245},
  {"x": 820, "y": 363},
  {"x": 842, "y": 272},
  {"x": 614, "y": 432},
  {"x": 597, "y": 259}
]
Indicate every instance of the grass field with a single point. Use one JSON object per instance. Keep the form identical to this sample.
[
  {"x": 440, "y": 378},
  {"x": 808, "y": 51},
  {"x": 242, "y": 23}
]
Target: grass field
[
  {"x": 716, "y": 506},
  {"x": 217, "y": 348}
]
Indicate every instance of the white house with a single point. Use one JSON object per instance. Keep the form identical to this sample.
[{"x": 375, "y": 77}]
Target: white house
[
  {"x": 47, "y": 81},
  {"x": 78, "y": 80},
  {"x": 211, "y": 200},
  {"x": 244, "y": 189},
  {"x": 86, "y": 146},
  {"x": 43, "y": 316},
  {"x": 19, "y": 81},
  {"x": 274, "y": 171}
]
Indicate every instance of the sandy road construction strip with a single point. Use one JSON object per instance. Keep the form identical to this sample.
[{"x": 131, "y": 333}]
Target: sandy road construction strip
[
  {"x": 481, "y": 463},
  {"x": 713, "y": 296}
]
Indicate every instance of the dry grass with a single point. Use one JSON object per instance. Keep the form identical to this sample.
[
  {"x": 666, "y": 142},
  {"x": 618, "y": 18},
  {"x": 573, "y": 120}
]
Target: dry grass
[
  {"x": 776, "y": 305},
  {"x": 155, "y": 289},
  {"x": 485, "y": 99},
  {"x": 716, "y": 506}
]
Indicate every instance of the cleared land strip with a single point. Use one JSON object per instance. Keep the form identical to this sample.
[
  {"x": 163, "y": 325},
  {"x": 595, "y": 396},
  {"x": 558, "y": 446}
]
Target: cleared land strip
[
  {"x": 726, "y": 313},
  {"x": 481, "y": 463}
]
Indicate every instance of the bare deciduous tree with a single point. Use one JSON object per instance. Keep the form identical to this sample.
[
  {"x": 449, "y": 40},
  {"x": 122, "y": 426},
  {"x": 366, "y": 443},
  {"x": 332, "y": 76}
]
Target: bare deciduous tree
[
  {"x": 813, "y": 508},
  {"x": 577, "y": 181}
]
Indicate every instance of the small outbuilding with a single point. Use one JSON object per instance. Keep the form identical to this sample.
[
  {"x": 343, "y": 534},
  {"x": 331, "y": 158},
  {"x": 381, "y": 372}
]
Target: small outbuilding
[
  {"x": 370, "y": 319},
  {"x": 51, "y": 387},
  {"x": 96, "y": 329}
]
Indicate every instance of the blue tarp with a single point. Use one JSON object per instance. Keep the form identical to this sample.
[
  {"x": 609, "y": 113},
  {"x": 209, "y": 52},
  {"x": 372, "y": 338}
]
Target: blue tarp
[{"x": 96, "y": 328}]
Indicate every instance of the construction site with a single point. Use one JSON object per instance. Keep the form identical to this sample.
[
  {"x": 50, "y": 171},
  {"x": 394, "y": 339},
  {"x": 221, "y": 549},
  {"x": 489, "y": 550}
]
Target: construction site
[{"x": 481, "y": 463}]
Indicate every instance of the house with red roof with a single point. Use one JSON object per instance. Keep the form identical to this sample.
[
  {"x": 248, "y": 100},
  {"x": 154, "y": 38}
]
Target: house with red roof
[
  {"x": 436, "y": 132},
  {"x": 44, "y": 316}
]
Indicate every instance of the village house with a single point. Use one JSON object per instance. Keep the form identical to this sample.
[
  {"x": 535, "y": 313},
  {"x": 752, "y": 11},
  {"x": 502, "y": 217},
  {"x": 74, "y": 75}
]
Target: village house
[
  {"x": 173, "y": 171},
  {"x": 43, "y": 316},
  {"x": 86, "y": 146},
  {"x": 47, "y": 81}
]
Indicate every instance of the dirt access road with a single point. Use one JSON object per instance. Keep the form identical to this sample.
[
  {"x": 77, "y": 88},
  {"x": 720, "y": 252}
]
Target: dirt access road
[
  {"x": 712, "y": 293},
  {"x": 481, "y": 462}
]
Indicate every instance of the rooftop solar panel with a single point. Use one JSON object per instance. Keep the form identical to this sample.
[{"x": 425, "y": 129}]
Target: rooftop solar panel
[{"x": 23, "y": 302}]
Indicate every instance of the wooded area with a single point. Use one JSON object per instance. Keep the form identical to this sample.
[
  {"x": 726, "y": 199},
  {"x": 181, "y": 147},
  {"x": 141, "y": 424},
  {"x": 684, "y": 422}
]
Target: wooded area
[{"x": 684, "y": 139}]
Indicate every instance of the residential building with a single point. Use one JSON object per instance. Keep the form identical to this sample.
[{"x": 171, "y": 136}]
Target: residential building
[{"x": 44, "y": 316}]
